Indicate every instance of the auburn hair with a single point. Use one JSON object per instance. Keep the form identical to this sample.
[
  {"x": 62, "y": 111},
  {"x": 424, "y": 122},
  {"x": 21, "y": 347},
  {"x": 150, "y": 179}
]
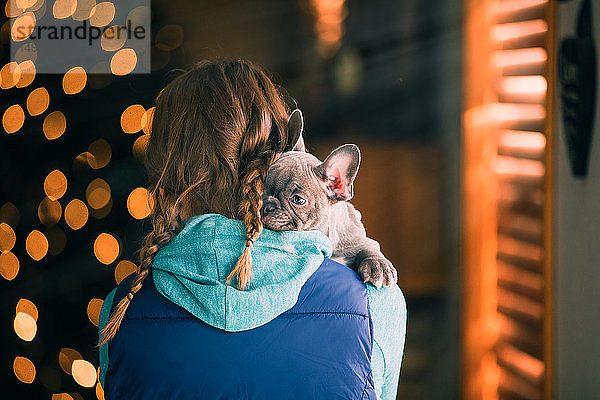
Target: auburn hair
[{"x": 215, "y": 131}]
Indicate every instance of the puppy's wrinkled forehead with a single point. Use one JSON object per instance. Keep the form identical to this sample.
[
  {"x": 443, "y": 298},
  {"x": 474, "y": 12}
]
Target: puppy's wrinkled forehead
[{"x": 292, "y": 167}]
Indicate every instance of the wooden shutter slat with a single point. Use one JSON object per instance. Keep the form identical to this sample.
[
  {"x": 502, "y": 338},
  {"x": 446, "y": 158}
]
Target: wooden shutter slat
[
  {"x": 513, "y": 386},
  {"x": 520, "y": 10},
  {"x": 520, "y": 144},
  {"x": 521, "y": 281},
  {"x": 521, "y": 61},
  {"x": 520, "y": 307},
  {"x": 520, "y": 227},
  {"x": 521, "y": 335}
]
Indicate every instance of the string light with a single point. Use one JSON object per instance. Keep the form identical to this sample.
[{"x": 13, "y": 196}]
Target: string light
[
  {"x": 76, "y": 214},
  {"x": 74, "y": 80},
  {"x": 84, "y": 373},
  {"x": 36, "y": 245},
  {"x": 9, "y": 266},
  {"x": 13, "y": 118},
  {"x": 124, "y": 269},
  {"x": 66, "y": 356},
  {"x": 131, "y": 118},
  {"x": 55, "y": 185},
  {"x": 93, "y": 310},
  {"x": 7, "y": 237},
  {"x": 38, "y": 101},
  {"x": 123, "y": 62},
  {"x": 140, "y": 203},
  {"x": 102, "y": 14},
  {"x": 54, "y": 125}
]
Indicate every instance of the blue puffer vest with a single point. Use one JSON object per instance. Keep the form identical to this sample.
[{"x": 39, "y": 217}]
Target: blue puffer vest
[{"x": 319, "y": 349}]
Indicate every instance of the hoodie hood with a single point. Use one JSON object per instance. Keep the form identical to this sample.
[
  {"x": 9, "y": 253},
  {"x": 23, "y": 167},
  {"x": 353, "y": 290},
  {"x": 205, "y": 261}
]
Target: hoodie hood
[{"x": 192, "y": 268}]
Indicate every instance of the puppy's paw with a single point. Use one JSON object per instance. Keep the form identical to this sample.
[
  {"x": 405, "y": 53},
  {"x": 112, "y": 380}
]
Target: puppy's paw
[{"x": 378, "y": 270}]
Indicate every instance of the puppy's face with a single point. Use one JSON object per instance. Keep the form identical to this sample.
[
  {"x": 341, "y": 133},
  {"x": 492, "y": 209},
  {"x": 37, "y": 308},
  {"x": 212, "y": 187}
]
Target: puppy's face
[{"x": 300, "y": 190}]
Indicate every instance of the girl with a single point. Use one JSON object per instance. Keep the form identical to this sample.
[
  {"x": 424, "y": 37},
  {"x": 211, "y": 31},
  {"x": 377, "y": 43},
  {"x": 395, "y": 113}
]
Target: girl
[{"x": 220, "y": 308}]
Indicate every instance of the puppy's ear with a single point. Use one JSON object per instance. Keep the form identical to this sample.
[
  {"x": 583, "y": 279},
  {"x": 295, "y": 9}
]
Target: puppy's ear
[
  {"x": 339, "y": 171},
  {"x": 295, "y": 127}
]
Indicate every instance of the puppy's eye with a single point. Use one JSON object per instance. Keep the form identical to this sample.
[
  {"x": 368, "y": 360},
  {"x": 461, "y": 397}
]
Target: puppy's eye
[{"x": 298, "y": 200}]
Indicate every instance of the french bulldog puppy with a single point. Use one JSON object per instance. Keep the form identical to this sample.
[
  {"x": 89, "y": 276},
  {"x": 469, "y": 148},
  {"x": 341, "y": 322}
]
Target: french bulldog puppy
[{"x": 302, "y": 193}]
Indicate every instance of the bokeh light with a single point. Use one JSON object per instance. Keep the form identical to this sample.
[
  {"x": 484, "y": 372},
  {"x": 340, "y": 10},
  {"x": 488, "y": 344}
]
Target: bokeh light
[
  {"x": 140, "y": 145},
  {"x": 140, "y": 203},
  {"x": 22, "y": 27},
  {"x": 9, "y": 214},
  {"x": 36, "y": 245},
  {"x": 54, "y": 125},
  {"x": 7, "y": 237},
  {"x": 131, "y": 119},
  {"x": 93, "y": 310},
  {"x": 62, "y": 396},
  {"x": 11, "y": 9},
  {"x": 27, "y": 307},
  {"x": 113, "y": 38},
  {"x": 124, "y": 269},
  {"x": 83, "y": 10},
  {"x": 98, "y": 193},
  {"x": 64, "y": 8},
  {"x": 74, "y": 80},
  {"x": 84, "y": 373},
  {"x": 13, "y": 118},
  {"x": 101, "y": 152},
  {"x": 24, "y": 369},
  {"x": 25, "y": 326},
  {"x": 9, "y": 266},
  {"x": 169, "y": 37},
  {"x": 9, "y": 75},
  {"x": 123, "y": 62},
  {"x": 28, "y": 73},
  {"x": 102, "y": 212},
  {"x": 66, "y": 356},
  {"x": 57, "y": 240},
  {"x": 49, "y": 211},
  {"x": 102, "y": 14},
  {"x": 76, "y": 214},
  {"x": 38, "y": 101},
  {"x": 55, "y": 185},
  {"x": 106, "y": 248},
  {"x": 147, "y": 120}
]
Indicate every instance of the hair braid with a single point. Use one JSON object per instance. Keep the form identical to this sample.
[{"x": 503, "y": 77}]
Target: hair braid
[
  {"x": 164, "y": 230},
  {"x": 252, "y": 187}
]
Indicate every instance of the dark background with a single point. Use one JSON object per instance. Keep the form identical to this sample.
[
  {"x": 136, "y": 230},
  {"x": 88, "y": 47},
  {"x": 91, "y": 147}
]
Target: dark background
[{"x": 392, "y": 87}]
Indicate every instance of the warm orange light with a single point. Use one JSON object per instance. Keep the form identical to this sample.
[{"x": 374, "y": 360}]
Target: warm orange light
[
  {"x": 516, "y": 30},
  {"x": 140, "y": 203},
  {"x": 64, "y": 8},
  {"x": 27, "y": 307},
  {"x": 74, "y": 80},
  {"x": 54, "y": 125},
  {"x": 106, "y": 248},
  {"x": 62, "y": 396},
  {"x": 526, "y": 140},
  {"x": 507, "y": 6},
  {"x": 147, "y": 120},
  {"x": 98, "y": 193},
  {"x": 169, "y": 37},
  {"x": 9, "y": 75},
  {"x": 524, "y": 88},
  {"x": 104, "y": 211},
  {"x": 83, "y": 10},
  {"x": 131, "y": 119},
  {"x": 13, "y": 118},
  {"x": 113, "y": 38},
  {"x": 9, "y": 266},
  {"x": 23, "y": 27},
  {"x": 102, "y": 14},
  {"x": 25, "y": 326},
  {"x": 84, "y": 373},
  {"x": 7, "y": 237},
  {"x": 93, "y": 310},
  {"x": 140, "y": 145},
  {"x": 124, "y": 269},
  {"x": 55, "y": 185},
  {"x": 38, "y": 101},
  {"x": 504, "y": 165},
  {"x": 12, "y": 9},
  {"x": 66, "y": 356},
  {"x": 101, "y": 152},
  {"x": 505, "y": 112},
  {"x": 24, "y": 369},
  {"x": 123, "y": 62},
  {"x": 28, "y": 72},
  {"x": 36, "y": 245},
  {"x": 512, "y": 58},
  {"x": 76, "y": 214},
  {"x": 49, "y": 211}
]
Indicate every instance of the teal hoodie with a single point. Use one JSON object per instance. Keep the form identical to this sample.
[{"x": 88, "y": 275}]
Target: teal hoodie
[{"x": 191, "y": 271}]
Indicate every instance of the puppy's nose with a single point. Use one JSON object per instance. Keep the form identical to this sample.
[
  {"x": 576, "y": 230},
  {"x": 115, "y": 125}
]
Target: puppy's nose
[{"x": 270, "y": 204}]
